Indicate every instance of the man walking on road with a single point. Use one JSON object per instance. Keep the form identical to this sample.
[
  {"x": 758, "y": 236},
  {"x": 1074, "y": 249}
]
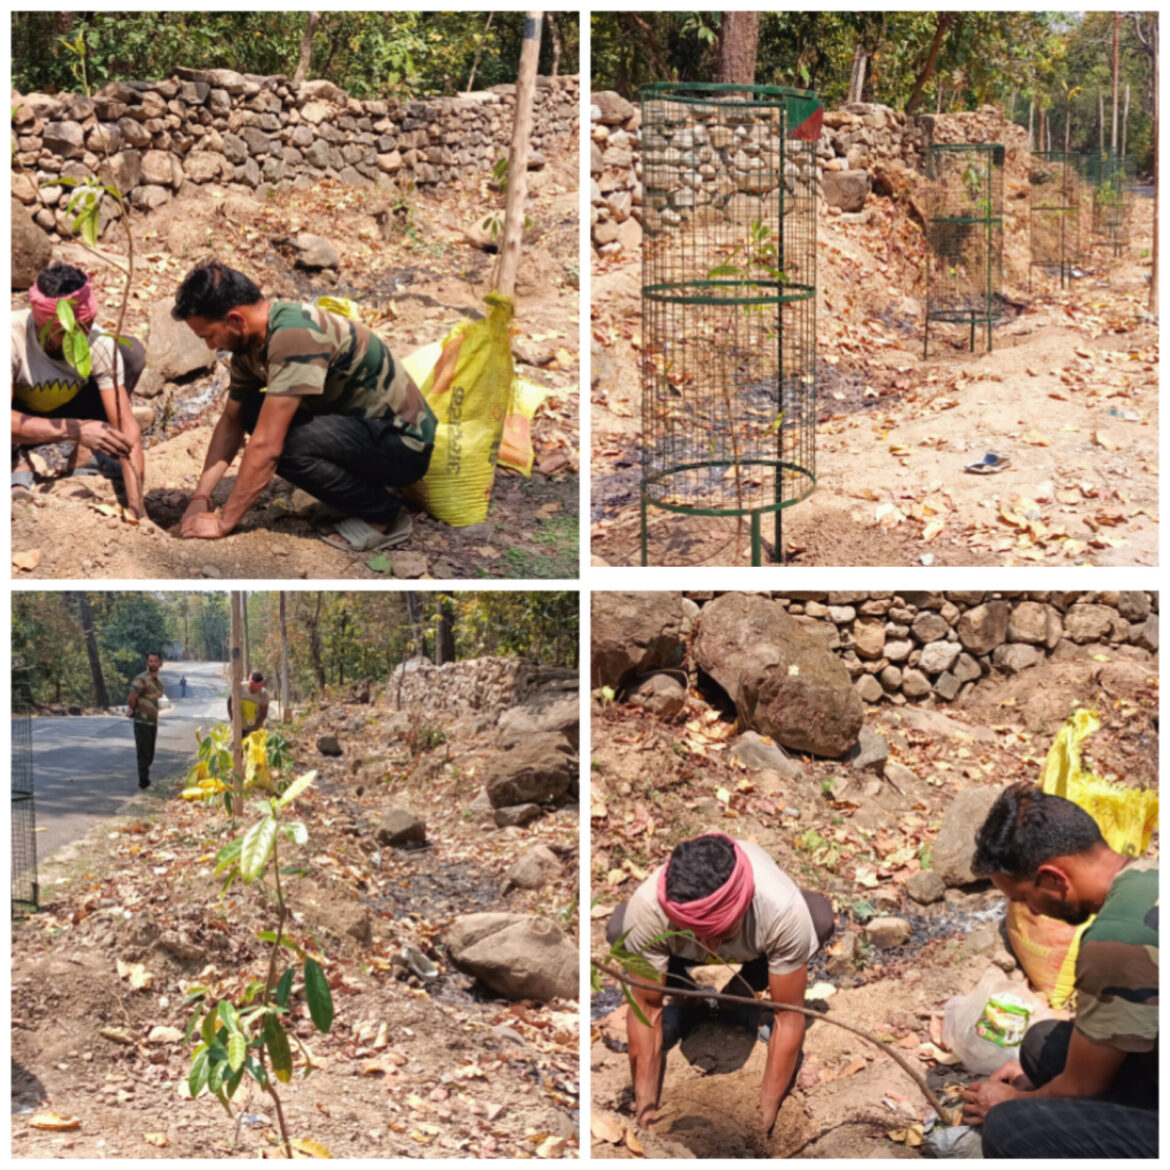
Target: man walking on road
[
  {"x": 253, "y": 703},
  {"x": 145, "y": 692}
]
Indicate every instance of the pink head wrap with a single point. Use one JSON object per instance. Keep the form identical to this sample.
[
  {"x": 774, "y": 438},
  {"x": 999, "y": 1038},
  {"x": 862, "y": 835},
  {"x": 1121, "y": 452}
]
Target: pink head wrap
[
  {"x": 44, "y": 308},
  {"x": 718, "y": 912}
]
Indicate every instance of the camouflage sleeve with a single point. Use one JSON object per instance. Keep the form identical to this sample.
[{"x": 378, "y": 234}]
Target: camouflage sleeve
[
  {"x": 298, "y": 362},
  {"x": 1117, "y": 994},
  {"x": 246, "y": 375}
]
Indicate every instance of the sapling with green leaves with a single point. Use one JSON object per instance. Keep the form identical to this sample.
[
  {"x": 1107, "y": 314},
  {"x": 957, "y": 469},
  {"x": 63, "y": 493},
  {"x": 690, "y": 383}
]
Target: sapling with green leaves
[{"x": 252, "y": 1038}]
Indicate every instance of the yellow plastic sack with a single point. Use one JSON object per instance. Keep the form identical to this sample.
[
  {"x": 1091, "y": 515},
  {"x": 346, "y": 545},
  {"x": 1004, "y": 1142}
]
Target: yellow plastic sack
[
  {"x": 469, "y": 388},
  {"x": 516, "y": 444},
  {"x": 1046, "y": 948},
  {"x": 256, "y": 761}
]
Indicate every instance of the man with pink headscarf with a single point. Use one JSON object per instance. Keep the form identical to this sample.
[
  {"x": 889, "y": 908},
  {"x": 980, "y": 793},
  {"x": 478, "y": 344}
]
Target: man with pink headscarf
[
  {"x": 738, "y": 904},
  {"x": 52, "y": 402}
]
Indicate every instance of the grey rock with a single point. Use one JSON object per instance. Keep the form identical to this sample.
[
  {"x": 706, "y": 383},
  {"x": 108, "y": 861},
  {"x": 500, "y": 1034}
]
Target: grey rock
[
  {"x": 885, "y": 933},
  {"x": 31, "y": 248},
  {"x": 539, "y": 866},
  {"x": 515, "y": 814},
  {"x": 915, "y": 684},
  {"x": 938, "y": 656},
  {"x": 954, "y": 849},
  {"x": 172, "y": 349},
  {"x": 926, "y": 887},
  {"x": 539, "y": 768},
  {"x": 518, "y": 956},
  {"x": 1012, "y": 657},
  {"x": 328, "y": 745},
  {"x": 401, "y": 826},
  {"x": 869, "y": 753},
  {"x": 983, "y": 628},
  {"x": 661, "y": 694},
  {"x": 757, "y": 755},
  {"x": 635, "y": 633}
]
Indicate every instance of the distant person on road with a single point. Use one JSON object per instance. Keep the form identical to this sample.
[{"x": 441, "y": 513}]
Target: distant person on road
[
  {"x": 253, "y": 703},
  {"x": 327, "y": 405},
  {"x": 183, "y": 687},
  {"x": 738, "y": 904},
  {"x": 145, "y": 692},
  {"x": 53, "y": 403}
]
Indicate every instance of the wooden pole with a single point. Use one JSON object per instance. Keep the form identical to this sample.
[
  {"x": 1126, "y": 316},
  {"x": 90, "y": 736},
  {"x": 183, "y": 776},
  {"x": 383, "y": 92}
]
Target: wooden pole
[
  {"x": 237, "y": 713},
  {"x": 1116, "y": 77},
  {"x": 518, "y": 156},
  {"x": 283, "y": 659}
]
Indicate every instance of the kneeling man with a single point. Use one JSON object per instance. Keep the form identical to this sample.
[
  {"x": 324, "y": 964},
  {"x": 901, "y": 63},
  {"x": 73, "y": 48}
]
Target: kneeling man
[
  {"x": 1085, "y": 1088},
  {"x": 328, "y": 407},
  {"x": 739, "y": 905}
]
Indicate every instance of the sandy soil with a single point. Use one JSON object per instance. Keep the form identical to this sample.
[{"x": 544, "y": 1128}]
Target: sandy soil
[
  {"x": 852, "y": 837},
  {"x": 1069, "y": 394},
  {"x": 411, "y": 263},
  {"x": 443, "y": 1069}
]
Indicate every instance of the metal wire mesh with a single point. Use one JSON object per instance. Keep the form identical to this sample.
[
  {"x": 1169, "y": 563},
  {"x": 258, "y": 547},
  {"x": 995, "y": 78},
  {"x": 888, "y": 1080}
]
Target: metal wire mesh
[
  {"x": 1109, "y": 175},
  {"x": 728, "y": 301},
  {"x": 24, "y": 824},
  {"x": 964, "y": 236},
  {"x": 1055, "y": 213}
]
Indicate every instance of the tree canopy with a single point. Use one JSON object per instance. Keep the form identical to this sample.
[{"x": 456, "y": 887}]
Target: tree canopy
[
  {"x": 333, "y": 638},
  {"x": 1058, "y": 62},
  {"x": 369, "y": 54}
]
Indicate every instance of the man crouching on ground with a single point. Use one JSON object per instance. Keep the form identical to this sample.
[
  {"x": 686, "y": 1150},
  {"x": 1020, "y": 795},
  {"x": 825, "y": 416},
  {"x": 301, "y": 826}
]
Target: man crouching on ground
[
  {"x": 739, "y": 905},
  {"x": 1086, "y": 1088},
  {"x": 327, "y": 405}
]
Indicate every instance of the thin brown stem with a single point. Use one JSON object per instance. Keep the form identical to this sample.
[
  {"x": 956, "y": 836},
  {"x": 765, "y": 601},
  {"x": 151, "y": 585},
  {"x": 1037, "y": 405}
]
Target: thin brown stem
[
  {"x": 646, "y": 985},
  {"x": 271, "y": 1079}
]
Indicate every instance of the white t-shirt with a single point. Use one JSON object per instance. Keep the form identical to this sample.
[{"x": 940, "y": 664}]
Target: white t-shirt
[
  {"x": 777, "y": 924},
  {"x": 41, "y": 384}
]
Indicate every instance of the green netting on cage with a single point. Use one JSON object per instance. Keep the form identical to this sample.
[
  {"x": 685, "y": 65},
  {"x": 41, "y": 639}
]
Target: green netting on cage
[
  {"x": 728, "y": 300},
  {"x": 1109, "y": 176},
  {"x": 1055, "y": 202},
  {"x": 964, "y": 236}
]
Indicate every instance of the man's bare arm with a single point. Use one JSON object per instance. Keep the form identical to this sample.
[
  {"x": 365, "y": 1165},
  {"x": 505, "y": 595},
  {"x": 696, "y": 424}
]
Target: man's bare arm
[
  {"x": 32, "y": 430},
  {"x": 784, "y": 1045},
  {"x": 645, "y": 1052}
]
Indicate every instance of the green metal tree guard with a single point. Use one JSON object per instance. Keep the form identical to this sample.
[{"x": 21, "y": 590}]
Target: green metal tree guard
[
  {"x": 1054, "y": 217},
  {"x": 964, "y": 236},
  {"x": 728, "y": 302},
  {"x": 1109, "y": 175},
  {"x": 24, "y": 820}
]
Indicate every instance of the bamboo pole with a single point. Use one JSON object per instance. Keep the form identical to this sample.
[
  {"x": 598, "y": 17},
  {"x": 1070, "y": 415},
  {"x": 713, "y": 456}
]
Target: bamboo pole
[{"x": 518, "y": 157}]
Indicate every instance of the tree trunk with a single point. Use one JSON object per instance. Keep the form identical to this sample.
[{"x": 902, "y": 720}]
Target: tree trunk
[
  {"x": 283, "y": 658},
  {"x": 246, "y": 644},
  {"x": 478, "y": 53},
  {"x": 518, "y": 157},
  {"x": 739, "y": 36},
  {"x": 1101, "y": 117},
  {"x": 414, "y": 612},
  {"x": 84, "y": 613},
  {"x": 237, "y": 706},
  {"x": 302, "y": 70},
  {"x": 314, "y": 624},
  {"x": 945, "y": 20},
  {"x": 1031, "y": 124},
  {"x": 1125, "y": 122},
  {"x": 1116, "y": 76},
  {"x": 555, "y": 33},
  {"x": 445, "y": 632},
  {"x": 857, "y": 74}
]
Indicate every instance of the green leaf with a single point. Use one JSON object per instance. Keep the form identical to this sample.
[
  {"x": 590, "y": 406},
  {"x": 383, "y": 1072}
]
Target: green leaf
[
  {"x": 296, "y": 788},
  {"x": 208, "y": 1028},
  {"x": 228, "y": 1014},
  {"x": 257, "y": 848},
  {"x": 319, "y": 996},
  {"x": 229, "y": 854},
  {"x": 295, "y": 832},
  {"x": 634, "y": 1006},
  {"x": 256, "y": 1071},
  {"x": 215, "y": 1076},
  {"x": 279, "y": 1051},
  {"x": 75, "y": 347},
  {"x": 723, "y": 270},
  {"x": 381, "y": 564},
  {"x": 284, "y": 987},
  {"x": 232, "y": 1085},
  {"x": 237, "y": 1050},
  {"x": 197, "y": 1077},
  {"x": 90, "y": 225},
  {"x": 65, "y": 314}
]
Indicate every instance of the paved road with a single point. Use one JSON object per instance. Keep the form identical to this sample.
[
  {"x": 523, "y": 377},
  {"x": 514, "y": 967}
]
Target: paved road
[{"x": 84, "y": 767}]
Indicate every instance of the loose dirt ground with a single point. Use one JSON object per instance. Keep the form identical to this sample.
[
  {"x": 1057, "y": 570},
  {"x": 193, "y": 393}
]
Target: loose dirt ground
[
  {"x": 852, "y": 836},
  {"x": 409, "y": 1070},
  {"x": 1069, "y": 393},
  {"x": 410, "y": 263}
]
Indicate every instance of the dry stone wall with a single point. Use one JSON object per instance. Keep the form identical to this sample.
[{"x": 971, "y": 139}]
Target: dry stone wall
[
  {"x": 904, "y": 647},
  {"x": 855, "y": 139},
  {"x": 216, "y": 126}
]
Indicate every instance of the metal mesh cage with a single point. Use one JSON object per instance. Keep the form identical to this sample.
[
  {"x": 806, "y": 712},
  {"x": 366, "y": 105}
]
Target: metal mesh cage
[
  {"x": 24, "y": 824},
  {"x": 1108, "y": 175},
  {"x": 964, "y": 236},
  {"x": 1054, "y": 185},
  {"x": 728, "y": 302}
]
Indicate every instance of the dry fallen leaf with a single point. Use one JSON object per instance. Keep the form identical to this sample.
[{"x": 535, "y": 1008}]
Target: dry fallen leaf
[
  {"x": 606, "y": 1129},
  {"x": 633, "y": 1145},
  {"x": 136, "y": 974},
  {"x": 306, "y": 1148},
  {"x": 54, "y": 1121},
  {"x": 27, "y": 560},
  {"x": 157, "y": 1139}
]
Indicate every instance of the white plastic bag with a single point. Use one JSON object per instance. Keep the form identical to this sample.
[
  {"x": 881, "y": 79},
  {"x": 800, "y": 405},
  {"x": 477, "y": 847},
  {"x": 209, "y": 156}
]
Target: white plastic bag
[{"x": 962, "y": 1013}]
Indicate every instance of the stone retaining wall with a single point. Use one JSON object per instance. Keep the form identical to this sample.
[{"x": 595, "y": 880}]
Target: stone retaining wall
[
  {"x": 485, "y": 686},
  {"x": 854, "y": 139},
  {"x": 217, "y": 126},
  {"x": 906, "y": 646}
]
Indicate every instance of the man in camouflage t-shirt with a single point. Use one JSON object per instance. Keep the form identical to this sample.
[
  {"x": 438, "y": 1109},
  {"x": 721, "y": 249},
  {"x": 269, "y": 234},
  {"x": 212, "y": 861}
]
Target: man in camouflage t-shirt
[
  {"x": 1086, "y": 1088},
  {"x": 142, "y": 706},
  {"x": 328, "y": 407}
]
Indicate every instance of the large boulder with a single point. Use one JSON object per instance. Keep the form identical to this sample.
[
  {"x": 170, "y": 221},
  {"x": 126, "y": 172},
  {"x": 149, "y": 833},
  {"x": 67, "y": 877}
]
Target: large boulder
[
  {"x": 636, "y": 633},
  {"x": 549, "y": 704},
  {"x": 782, "y": 679},
  {"x": 847, "y": 190},
  {"x": 537, "y": 769},
  {"x": 31, "y": 248},
  {"x": 536, "y": 868},
  {"x": 172, "y": 348},
  {"x": 519, "y": 956},
  {"x": 954, "y": 850}
]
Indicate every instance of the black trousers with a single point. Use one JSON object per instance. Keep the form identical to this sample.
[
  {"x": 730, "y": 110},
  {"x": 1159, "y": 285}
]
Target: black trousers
[
  {"x": 145, "y": 736},
  {"x": 1122, "y": 1123},
  {"x": 347, "y": 463}
]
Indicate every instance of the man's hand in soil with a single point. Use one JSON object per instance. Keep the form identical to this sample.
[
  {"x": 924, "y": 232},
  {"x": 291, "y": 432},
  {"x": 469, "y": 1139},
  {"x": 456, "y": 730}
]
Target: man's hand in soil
[
  {"x": 208, "y": 526},
  {"x": 647, "y": 1117},
  {"x": 1011, "y": 1073},
  {"x": 100, "y": 436},
  {"x": 981, "y": 1097}
]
